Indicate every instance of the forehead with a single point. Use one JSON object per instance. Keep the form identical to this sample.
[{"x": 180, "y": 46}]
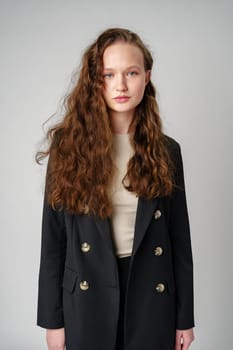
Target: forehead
[{"x": 120, "y": 54}]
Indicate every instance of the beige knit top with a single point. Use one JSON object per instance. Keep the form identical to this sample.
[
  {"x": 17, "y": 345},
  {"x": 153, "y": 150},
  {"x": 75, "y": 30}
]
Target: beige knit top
[{"x": 124, "y": 202}]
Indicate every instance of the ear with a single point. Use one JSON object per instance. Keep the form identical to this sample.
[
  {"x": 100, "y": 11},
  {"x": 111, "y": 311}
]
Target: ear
[{"x": 148, "y": 76}]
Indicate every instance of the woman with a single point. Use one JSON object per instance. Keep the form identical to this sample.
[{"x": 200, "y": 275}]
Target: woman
[{"x": 116, "y": 269}]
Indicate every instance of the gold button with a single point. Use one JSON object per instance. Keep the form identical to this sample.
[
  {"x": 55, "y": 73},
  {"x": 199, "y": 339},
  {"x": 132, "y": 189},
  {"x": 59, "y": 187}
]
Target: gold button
[
  {"x": 157, "y": 214},
  {"x": 85, "y": 247},
  {"x": 84, "y": 285},
  {"x": 160, "y": 287},
  {"x": 158, "y": 251}
]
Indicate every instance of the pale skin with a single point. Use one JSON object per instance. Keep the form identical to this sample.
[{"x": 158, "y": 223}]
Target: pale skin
[
  {"x": 55, "y": 339},
  {"x": 124, "y": 74}
]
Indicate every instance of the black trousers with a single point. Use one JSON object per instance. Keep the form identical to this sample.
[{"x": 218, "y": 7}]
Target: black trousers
[{"x": 123, "y": 268}]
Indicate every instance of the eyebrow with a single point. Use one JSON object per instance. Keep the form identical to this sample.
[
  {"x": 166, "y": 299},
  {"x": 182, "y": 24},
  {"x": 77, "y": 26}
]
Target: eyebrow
[{"x": 130, "y": 67}]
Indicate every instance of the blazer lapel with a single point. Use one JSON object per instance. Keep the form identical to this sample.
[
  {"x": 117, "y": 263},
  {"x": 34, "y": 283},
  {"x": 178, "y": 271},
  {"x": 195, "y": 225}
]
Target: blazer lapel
[
  {"x": 145, "y": 210},
  {"x": 144, "y": 213}
]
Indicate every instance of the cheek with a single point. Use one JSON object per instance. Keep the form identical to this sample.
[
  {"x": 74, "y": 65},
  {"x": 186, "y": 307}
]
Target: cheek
[
  {"x": 140, "y": 88},
  {"x": 106, "y": 89}
]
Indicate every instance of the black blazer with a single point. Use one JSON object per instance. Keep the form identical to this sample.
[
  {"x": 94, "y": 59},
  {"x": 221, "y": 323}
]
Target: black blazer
[{"x": 79, "y": 284}]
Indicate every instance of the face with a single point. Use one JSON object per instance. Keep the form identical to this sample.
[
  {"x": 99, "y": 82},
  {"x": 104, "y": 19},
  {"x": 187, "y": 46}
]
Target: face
[{"x": 124, "y": 76}]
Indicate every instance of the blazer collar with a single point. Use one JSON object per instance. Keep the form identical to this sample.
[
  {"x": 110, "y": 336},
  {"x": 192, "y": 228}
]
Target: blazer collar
[{"x": 144, "y": 213}]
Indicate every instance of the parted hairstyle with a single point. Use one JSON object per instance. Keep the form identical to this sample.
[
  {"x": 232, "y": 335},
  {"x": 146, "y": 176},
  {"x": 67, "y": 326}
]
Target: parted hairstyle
[{"x": 80, "y": 166}]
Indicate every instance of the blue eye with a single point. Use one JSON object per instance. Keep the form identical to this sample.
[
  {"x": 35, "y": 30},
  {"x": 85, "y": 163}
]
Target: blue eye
[
  {"x": 133, "y": 73},
  {"x": 108, "y": 75}
]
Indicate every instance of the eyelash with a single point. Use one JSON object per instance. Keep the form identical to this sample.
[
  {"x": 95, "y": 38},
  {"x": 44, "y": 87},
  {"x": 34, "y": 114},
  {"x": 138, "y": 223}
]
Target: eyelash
[
  {"x": 109, "y": 75},
  {"x": 135, "y": 73}
]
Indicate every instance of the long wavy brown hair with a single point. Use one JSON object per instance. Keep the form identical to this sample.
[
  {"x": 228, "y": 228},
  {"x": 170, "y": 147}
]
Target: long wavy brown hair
[{"x": 80, "y": 166}]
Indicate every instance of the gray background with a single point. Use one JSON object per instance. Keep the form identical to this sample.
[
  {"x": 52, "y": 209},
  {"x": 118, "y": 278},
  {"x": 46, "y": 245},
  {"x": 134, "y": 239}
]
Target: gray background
[{"x": 41, "y": 45}]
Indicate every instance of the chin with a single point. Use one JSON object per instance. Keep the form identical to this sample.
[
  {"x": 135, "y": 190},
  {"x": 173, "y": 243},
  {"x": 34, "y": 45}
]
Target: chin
[{"x": 123, "y": 108}]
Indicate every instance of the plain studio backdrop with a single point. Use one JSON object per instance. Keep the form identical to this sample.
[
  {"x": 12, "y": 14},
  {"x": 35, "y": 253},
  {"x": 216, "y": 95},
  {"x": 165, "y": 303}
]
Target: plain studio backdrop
[{"x": 192, "y": 45}]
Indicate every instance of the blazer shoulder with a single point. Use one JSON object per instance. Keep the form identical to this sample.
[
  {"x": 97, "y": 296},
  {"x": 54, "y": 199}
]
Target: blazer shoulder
[{"x": 171, "y": 143}]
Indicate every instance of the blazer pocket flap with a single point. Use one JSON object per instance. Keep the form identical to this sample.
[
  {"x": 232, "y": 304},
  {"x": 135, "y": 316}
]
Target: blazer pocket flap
[{"x": 69, "y": 279}]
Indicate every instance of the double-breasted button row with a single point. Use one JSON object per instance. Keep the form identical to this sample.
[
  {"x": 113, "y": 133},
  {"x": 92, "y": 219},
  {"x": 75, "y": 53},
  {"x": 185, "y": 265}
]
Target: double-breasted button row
[
  {"x": 85, "y": 247},
  {"x": 158, "y": 250},
  {"x": 160, "y": 287}
]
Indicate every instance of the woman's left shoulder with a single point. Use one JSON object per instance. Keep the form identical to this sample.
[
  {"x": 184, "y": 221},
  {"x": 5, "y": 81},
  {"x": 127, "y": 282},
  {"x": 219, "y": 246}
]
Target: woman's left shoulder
[{"x": 171, "y": 143}]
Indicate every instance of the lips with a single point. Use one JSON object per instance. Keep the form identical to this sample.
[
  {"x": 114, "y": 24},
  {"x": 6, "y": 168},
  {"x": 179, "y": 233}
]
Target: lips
[{"x": 122, "y": 99}]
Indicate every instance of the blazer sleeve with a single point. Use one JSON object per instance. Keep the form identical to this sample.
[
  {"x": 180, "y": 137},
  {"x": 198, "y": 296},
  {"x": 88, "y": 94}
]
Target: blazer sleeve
[
  {"x": 52, "y": 260},
  {"x": 181, "y": 248}
]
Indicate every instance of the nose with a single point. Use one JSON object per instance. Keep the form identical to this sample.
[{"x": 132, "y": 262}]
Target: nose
[{"x": 121, "y": 84}]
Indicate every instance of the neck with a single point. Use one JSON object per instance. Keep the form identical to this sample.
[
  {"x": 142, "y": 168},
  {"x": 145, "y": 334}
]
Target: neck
[{"x": 121, "y": 122}]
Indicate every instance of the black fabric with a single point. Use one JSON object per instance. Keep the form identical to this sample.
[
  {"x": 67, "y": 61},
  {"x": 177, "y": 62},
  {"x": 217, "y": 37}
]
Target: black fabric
[
  {"x": 123, "y": 268},
  {"x": 90, "y": 317}
]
